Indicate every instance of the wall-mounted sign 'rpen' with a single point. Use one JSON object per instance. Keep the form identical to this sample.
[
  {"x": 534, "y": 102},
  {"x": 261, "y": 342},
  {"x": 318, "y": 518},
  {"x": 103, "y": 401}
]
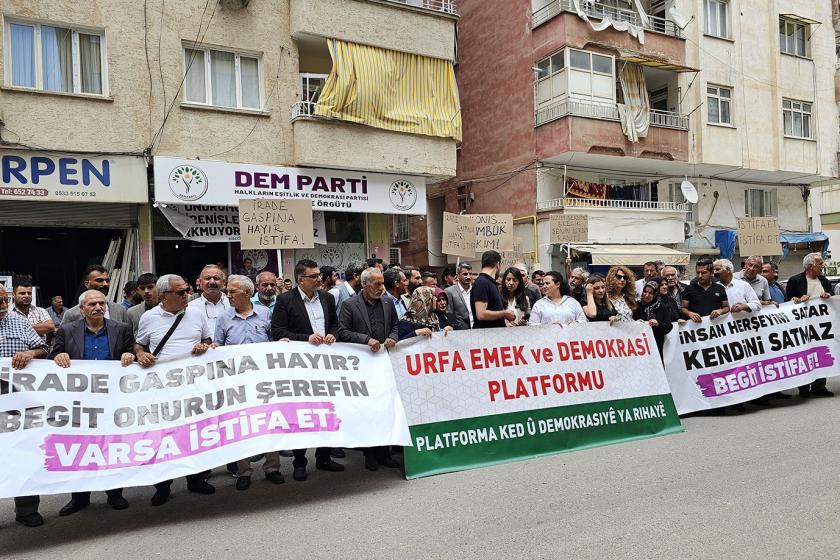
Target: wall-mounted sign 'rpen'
[{"x": 276, "y": 224}]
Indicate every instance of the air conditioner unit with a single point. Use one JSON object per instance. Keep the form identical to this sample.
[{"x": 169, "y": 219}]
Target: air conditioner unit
[
  {"x": 688, "y": 229},
  {"x": 395, "y": 255}
]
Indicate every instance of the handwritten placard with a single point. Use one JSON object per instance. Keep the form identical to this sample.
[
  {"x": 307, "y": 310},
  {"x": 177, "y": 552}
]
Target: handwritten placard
[
  {"x": 458, "y": 235},
  {"x": 759, "y": 236},
  {"x": 569, "y": 228},
  {"x": 516, "y": 256},
  {"x": 493, "y": 232},
  {"x": 276, "y": 224}
]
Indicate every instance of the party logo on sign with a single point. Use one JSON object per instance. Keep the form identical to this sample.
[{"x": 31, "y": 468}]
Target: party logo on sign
[
  {"x": 188, "y": 182},
  {"x": 402, "y": 194}
]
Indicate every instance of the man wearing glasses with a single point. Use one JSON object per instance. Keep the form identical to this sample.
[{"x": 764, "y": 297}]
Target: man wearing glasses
[
  {"x": 212, "y": 301},
  {"x": 190, "y": 335},
  {"x": 307, "y": 314}
]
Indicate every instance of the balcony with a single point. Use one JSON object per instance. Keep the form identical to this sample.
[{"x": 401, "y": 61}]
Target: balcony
[
  {"x": 645, "y": 205},
  {"x": 598, "y": 10},
  {"x": 443, "y": 6},
  {"x": 572, "y": 107}
]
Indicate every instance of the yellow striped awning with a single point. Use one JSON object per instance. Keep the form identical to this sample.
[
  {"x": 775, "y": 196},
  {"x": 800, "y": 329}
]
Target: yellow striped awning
[{"x": 391, "y": 90}]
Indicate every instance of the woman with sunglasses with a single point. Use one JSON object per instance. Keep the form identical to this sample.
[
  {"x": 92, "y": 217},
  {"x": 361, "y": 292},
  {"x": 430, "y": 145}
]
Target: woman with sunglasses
[
  {"x": 556, "y": 307},
  {"x": 598, "y": 306},
  {"x": 621, "y": 291},
  {"x": 514, "y": 295}
]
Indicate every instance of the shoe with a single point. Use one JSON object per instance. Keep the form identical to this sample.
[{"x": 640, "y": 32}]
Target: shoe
[
  {"x": 201, "y": 487},
  {"x": 31, "y": 520},
  {"x": 371, "y": 463},
  {"x": 287, "y": 453},
  {"x": 299, "y": 474},
  {"x": 161, "y": 496},
  {"x": 72, "y": 507},
  {"x": 243, "y": 482},
  {"x": 329, "y": 465},
  {"x": 779, "y": 395},
  {"x": 117, "y": 502},
  {"x": 275, "y": 477},
  {"x": 821, "y": 392},
  {"x": 390, "y": 462},
  {"x": 738, "y": 407},
  {"x": 337, "y": 453},
  {"x": 232, "y": 469},
  {"x": 804, "y": 393},
  {"x": 761, "y": 401}
]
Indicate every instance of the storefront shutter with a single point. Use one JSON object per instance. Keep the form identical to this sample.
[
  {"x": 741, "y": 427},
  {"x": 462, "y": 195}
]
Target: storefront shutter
[{"x": 26, "y": 213}]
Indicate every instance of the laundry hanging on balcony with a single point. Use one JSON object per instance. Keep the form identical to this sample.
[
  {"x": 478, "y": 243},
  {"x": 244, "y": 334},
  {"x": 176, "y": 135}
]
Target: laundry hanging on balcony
[
  {"x": 634, "y": 113},
  {"x": 391, "y": 90},
  {"x": 587, "y": 8}
]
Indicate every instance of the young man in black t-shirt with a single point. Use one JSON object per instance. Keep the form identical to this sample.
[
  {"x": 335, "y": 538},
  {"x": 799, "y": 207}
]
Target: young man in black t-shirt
[
  {"x": 488, "y": 309},
  {"x": 704, "y": 297}
]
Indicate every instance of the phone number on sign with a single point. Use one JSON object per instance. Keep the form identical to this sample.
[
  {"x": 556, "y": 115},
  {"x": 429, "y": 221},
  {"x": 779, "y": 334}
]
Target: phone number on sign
[
  {"x": 22, "y": 191},
  {"x": 87, "y": 194}
]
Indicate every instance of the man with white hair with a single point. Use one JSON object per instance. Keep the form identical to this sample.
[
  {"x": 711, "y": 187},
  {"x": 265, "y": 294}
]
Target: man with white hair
[
  {"x": 93, "y": 338},
  {"x": 810, "y": 284},
  {"x": 20, "y": 342},
  {"x": 577, "y": 279},
  {"x": 212, "y": 302},
  {"x": 173, "y": 329},
  {"x": 365, "y": 319},
  {"x": 752, "y": 276},
  {"x": 740, "y": 295}
]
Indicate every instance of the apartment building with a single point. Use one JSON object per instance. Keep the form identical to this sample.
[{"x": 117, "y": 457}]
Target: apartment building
[
  {"x": 146, "y": 121},
  {"x": 604, "y": 107}
]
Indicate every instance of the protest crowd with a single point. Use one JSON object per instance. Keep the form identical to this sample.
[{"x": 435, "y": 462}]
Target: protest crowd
[{"x": 375, "y": 306}]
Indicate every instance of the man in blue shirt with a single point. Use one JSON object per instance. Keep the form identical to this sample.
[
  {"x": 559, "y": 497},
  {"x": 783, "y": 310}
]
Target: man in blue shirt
[
  {"x": 770, "y": 271},
  {"x": 266, "y": 290},
  {"x": 93, "y": 337}
]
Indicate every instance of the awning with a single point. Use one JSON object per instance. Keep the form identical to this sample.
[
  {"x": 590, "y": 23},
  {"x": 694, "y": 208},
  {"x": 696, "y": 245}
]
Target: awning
[
  {"x": 632, "y": 255},
  {"x": 653, "y": 61},
  {"x": 800, "y": 19},
  {"x": 814, "y": 237}
]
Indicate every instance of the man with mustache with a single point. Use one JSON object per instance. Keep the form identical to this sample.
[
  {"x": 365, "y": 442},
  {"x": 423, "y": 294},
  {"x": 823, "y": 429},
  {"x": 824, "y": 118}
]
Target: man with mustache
[
  {"x": 212, "y": 301},
  {"x": 96, "y": 277}
]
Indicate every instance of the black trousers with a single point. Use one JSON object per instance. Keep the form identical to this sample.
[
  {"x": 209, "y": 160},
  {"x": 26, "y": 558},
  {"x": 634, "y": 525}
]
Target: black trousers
[
  {"x": 380, "y": 453},
  {"x": 816, "y": 385},
  {"x": 85, "y": 496},
  {"x": 322, "y": 455},
  {"x": 26, "y": 505},
  {"x": 191, "y": 479}
]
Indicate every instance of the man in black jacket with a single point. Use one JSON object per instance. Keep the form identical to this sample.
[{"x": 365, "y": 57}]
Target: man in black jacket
[
  {"x": 810, "y": 284},
  {"x": 93, "y": 338},
  {"x": 366, "y": 318},
  {"x": 307, "y": 314}
]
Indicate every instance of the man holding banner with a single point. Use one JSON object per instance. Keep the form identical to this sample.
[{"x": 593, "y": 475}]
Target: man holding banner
[
  {"x": 20, "y": 342},
  {"x": 93, "y": 338},
  {"x": 810, "y": 284}
]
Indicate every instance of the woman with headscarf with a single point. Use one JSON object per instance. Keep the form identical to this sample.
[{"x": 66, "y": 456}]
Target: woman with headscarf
[
  {"x": 621, "y": 291},
  {"x": 514, "y": 295},
  {"x": 441, "y": 304},
  {"x": 653, "y": 310},
  {"x": 420, "y": 319}
]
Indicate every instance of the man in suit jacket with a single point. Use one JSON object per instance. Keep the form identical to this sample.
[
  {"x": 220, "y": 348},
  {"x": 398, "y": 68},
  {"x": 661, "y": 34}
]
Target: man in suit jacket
[
  {"x": 93, "y": 338},
  {"x": 368, "y": 319},
  {"x": 96, "y": 277},
  {"x": 459, "y": 312},
  {"x": 810, "y": 284},
  {"x": 307, "y": 314}
]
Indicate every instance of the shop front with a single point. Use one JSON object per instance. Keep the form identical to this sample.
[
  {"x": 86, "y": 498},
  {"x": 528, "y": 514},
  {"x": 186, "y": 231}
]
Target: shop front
[
  {"x": 196, "y": 214},
  {"x": 61, "y": 212}
]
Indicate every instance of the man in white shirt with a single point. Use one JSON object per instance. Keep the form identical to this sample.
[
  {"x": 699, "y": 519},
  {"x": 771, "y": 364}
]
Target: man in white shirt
[
  {"x": 740, "y": 295},
  {"x": 212, "y": 301},
  {"x": 191, "y": 335},
  {"x": 348, "y": 288}
]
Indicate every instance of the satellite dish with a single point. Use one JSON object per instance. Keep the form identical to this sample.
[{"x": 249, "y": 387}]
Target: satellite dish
[
  {"x": 678, "y": 19},
  {"x": 689, "y": 192}
]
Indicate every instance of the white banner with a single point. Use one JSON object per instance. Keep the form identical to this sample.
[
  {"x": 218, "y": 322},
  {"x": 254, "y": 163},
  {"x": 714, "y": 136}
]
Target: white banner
[
  {"x": 97, "y": 425},
  {"x": 221, "y": 183},
  {"x": 743, "y": 356},
  {"x": 26, "y": 175}
]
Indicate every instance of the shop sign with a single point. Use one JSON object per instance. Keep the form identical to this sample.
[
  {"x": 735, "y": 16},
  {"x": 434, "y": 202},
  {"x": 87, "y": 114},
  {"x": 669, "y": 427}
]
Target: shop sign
[
  {"x": 39, "y": 176},
  {"x": 219, "y": 183}
]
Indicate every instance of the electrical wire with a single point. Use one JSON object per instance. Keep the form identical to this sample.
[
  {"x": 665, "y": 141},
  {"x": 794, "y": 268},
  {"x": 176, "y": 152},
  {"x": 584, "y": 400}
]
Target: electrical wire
[
  {"x": 148, "y": 64},
  {"x": 160, "y": 65}
]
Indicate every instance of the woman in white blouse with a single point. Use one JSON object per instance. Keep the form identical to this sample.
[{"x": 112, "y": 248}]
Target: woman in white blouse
[{"x": 556, "y": 308}]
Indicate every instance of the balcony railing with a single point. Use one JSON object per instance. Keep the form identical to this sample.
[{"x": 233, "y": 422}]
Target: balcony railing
[
  {"x": 601, "y": 204},
  {"x": 303, "y": 109},
  {"x": 588, "y": 109},
  {"x": 443, "y": 6},
  {"x": 597, "y": 10}
]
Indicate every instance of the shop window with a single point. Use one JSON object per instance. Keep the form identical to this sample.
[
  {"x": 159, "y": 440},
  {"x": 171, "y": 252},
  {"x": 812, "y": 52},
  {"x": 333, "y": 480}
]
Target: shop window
[
  {"x": 222, "y": 78},
  {"x": 52, "y": 58},
  {"x": 796, "y": 116},
  {"x": 402, "y": 228},
  {"x": 760, "y": 203}
]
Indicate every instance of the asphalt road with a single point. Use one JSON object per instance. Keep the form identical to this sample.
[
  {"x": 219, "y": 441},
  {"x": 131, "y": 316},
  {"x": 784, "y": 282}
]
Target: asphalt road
[{"x": 764, "y": 484}]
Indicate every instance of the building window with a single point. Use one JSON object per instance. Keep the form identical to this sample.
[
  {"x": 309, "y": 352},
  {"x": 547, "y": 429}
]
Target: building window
[
  {"x": 717, "y": 23},
  {"x": 760, "y": 203},
  {"x": 793, "y": 37},
  {"x": 402, "y": 229},
  {"x": 222, "y": 78},
  {"x": 52, "y": 58},
  {"x": 719, "y": 104},
  {"x": 676, "y": 196},
  {"x": 797, "y": 118}
]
